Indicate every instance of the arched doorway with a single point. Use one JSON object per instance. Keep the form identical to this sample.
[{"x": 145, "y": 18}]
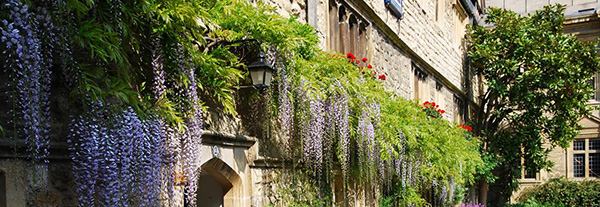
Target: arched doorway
[
  {"x": 211, "y": 191},
  {"x": 219, "y": 185}
]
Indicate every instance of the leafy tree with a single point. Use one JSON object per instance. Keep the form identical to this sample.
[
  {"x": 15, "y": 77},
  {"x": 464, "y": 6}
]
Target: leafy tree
[{"x": 537, "y": 86}]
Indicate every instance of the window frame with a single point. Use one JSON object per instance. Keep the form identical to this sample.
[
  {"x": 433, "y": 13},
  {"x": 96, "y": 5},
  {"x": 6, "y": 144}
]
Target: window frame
[
  {"x": 348, "y": 30},
  {"x": 420, "y": 84},
  {"x": 586, "y": 154}
]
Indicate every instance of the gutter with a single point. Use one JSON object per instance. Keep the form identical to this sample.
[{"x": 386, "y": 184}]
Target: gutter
[{"x": 471, "y": 10}]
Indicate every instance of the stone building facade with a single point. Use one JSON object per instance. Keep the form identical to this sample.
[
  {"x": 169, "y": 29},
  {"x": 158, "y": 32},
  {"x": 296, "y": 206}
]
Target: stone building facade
[
  {"x": 428, "y": 40},
  {"x": 422, "y": 55},
  {"x": 582, "y": 159}
]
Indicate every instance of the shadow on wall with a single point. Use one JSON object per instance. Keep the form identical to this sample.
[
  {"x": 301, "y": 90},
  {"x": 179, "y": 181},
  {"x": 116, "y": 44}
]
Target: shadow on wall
[{"x": 2, "y": 189}]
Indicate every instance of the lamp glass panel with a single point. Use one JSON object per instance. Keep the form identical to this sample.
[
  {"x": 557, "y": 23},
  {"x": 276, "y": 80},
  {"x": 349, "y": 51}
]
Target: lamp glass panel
[
  {"x": 268, "y": 76},
  {"x": 257, "y": 76}
]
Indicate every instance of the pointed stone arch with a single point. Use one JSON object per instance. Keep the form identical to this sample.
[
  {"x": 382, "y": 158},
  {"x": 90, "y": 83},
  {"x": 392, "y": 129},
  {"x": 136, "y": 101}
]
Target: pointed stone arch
[{"x": 230, "y": 181}]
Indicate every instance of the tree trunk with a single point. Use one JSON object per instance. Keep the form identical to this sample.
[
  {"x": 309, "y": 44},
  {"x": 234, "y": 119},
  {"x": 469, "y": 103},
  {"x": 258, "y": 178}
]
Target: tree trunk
[{"x": 483, "y": 191}]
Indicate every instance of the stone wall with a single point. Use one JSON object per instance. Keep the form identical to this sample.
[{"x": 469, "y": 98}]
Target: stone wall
[
  {"x": 422, "y": 36},
  {"x": 430, "y": 39},
  {"x": 22, "y": 177}
]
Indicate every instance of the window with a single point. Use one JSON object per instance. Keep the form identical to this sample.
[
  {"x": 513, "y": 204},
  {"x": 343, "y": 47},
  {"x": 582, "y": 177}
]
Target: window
[
  {"x": 439, "y": 95},
  {"x": 594, "y": 165},
  {"x": 595, "y": 144},
  {"x": 586, "y": 158},
  {"x": 579, "y": 145},
  {"x": 460, "y": 22},
  {"x": 594, "y": 83},
  {"x": 578, "y": 165},
  {"x": 527, "y": 174},
  {"x": 459, "y": 110},
  {"x": 420, "y": 88},
  {"x": 347, "y": 30},
  {"x": 440, "y": 8}
]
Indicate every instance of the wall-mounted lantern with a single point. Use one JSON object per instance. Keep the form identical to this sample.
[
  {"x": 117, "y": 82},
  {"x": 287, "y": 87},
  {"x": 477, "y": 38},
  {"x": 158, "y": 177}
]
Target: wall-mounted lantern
[{"x": 261, "y": 73}]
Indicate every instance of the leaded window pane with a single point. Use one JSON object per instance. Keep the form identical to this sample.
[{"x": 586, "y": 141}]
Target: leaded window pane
[
  {"x": 595, "y": 165},
  {"x": 529, "y": 174},
  {"x": 578, "y": 165},
  {"x": 579, "y": 145},
  {"x": 594, "y": 144}
]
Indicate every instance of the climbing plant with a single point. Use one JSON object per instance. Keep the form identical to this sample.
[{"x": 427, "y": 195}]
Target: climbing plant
[{"x": 139, "y": 73}]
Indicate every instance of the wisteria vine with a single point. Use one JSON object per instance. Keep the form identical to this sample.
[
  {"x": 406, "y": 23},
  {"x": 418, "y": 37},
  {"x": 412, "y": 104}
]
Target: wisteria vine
[
  {"x": 29, "y": 36},
  {"x": 117, "y": 164}
]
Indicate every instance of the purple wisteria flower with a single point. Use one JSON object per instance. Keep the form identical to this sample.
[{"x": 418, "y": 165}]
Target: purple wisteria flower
[
  {"x": 117, "y": 164},
  {"x": 192, "y": 137},
  {"x": 340, "y": 114},
  {"x": 366, "y": 131},
  {"x": 313, "y": 133},
  {"x": 28, "y": 35},
  {"x": 285, "y": 104},
  {"x": 158, "y": 84}
]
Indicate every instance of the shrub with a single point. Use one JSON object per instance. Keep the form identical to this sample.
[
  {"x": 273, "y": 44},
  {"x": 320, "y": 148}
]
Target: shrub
[{"x": 564, "y": 192}]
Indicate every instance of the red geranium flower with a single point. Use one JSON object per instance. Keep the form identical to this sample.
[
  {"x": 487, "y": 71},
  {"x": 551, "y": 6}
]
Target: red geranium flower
[
  {"x": 369, "y": 66},
  {"x": 382, "y": 77},
  {"x": 365, "y": 59},
  {"x": 426, "y": 102},
  {"x": 350, "y": 55}
]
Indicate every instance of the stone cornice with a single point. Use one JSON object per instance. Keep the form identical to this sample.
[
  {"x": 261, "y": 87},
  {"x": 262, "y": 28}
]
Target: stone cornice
[
  {"x": 17, "y": 149},
  {"x": 227, "y": 139},
  {"x": 58, "y": 150}
]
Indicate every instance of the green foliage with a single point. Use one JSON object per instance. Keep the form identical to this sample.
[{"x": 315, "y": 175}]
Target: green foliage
[
  {"x": 537, "y": 88},
  {"x": 114, "y": 47},
  {"x": 114, "y": 50},
  {"x": 447, "y": 150},
  {"x": 297, "y": 188},
  {"x": 564, "y": 192},
  {"x": 401, "y": 197}
]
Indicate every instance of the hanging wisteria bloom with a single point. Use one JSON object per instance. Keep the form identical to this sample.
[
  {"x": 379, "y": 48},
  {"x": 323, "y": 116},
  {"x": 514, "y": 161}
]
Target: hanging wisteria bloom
[
  {"x": 367, "y": 132},
  {"x": 158, "y": 85},
  {"x": 340, "y": 114},
  {"x": 192, "y": 138},
  {"x": 86, "y": 133},
  {"x": 313, "y": 131},
  {"x": 285, "y": 104},
  {"x": 28, "y": 35},
  {"x": 118, "y": 164}
]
